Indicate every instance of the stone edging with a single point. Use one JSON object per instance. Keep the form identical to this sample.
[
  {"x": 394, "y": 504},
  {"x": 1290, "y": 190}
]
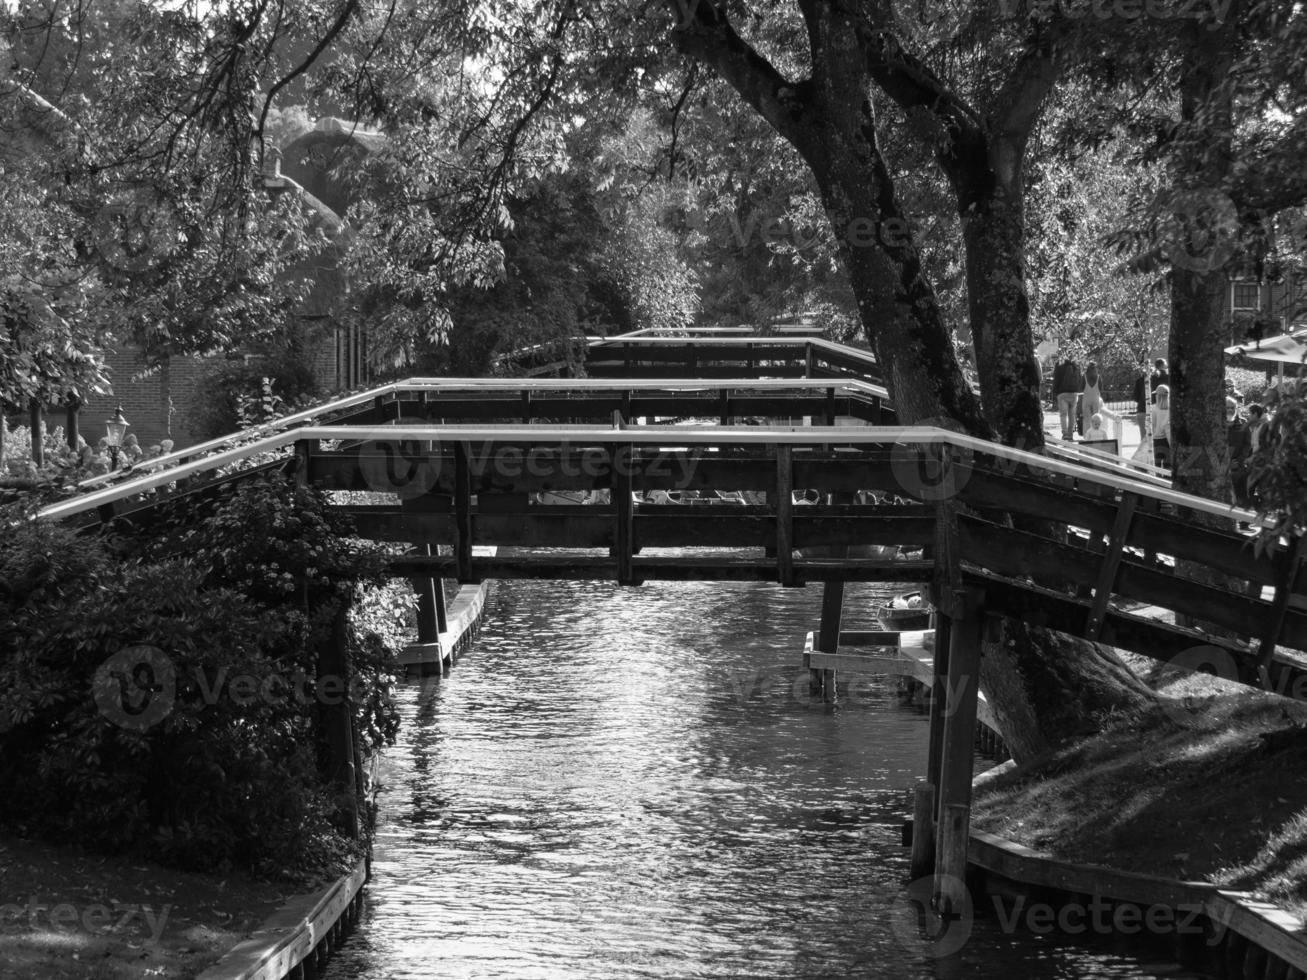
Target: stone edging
[
  {"x": 301, "y": 934},
  {"x": 1264, "y": 926}
]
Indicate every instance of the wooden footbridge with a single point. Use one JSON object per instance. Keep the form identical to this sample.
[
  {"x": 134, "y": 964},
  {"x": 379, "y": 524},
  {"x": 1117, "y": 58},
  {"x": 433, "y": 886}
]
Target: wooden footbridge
[{"x": 447, "y": 465}]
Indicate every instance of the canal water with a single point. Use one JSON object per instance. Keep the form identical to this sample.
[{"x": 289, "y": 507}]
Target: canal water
[{"x": 635, "y": 782}]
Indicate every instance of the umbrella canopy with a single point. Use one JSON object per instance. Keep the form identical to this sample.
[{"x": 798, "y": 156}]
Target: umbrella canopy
[{"x": 1285, "y": 349}]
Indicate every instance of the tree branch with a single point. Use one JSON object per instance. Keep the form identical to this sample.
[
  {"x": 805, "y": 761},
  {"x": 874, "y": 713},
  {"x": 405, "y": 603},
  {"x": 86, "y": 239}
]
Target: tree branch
[{"x": 703, "y": 32}]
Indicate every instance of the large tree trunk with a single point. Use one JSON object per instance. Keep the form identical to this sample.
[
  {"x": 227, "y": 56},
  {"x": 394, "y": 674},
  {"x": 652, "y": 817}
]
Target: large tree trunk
[
  {"x": 1198, "y": 254},
  {"x": 829, "y": 118},
  {"x": 995, "y": 237}
]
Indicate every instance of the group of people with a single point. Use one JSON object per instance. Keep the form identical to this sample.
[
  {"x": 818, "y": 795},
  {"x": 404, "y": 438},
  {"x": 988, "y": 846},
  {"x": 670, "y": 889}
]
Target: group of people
[
  {"x": 1245, "y": 436},
  {"x": 1072, "y": 386}
]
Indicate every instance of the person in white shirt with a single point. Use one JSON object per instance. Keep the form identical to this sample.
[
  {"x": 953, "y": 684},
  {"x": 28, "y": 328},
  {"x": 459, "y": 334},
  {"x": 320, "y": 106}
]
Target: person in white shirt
[
  {"x": 1162, "y": 427},
  {"x": 1096, "y": 432},
  {"x": 1091, "y": 396}
]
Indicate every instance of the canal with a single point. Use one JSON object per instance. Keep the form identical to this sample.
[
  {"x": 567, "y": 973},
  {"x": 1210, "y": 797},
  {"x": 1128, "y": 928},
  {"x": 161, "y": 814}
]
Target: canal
[{"x": 635, "y": 783}]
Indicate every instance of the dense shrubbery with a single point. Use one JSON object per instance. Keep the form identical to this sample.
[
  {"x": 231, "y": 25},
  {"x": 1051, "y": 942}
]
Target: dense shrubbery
[
  {"x": 209, "y": 773},
  {"x": 233, "y": 395},
  {"x": 63, "y": 465}
]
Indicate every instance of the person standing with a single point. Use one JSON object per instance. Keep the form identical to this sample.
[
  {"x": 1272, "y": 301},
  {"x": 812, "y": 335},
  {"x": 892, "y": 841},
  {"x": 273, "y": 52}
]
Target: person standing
[
  {"x": 1240, "y": 447},
  {"x": 1142, "y": 393},
  {"x": 1161, "y": 422},
  {"x": 1066, "y": 389},
  {"x": 1091, "y": 397},
  {"x": 1160, "y": 375},
  {"x": 1259, "y": 431}
]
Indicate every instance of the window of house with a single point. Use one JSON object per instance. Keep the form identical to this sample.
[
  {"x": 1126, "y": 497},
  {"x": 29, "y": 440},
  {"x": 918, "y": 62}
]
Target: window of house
[{"x": 1247, "y": 296}]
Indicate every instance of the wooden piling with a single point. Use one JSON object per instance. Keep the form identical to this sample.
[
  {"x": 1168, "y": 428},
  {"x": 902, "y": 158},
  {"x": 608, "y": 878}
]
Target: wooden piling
[
  {"x": 923, "y": 831},
  {"x": 425, "y": 587},
  {"x": 951, "y": 864}
]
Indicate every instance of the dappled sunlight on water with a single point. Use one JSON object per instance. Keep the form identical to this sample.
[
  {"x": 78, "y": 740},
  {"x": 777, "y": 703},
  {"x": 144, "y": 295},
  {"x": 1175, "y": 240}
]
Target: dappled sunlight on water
[{"x": 635, "y": 783}]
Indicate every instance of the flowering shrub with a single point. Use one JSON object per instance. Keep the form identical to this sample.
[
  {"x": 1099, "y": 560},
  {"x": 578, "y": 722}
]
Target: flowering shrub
[{"x": 64, "y": 465}]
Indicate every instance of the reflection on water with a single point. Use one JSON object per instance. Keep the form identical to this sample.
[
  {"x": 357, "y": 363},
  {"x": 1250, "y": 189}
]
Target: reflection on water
[{"x": 635, "y": 783}]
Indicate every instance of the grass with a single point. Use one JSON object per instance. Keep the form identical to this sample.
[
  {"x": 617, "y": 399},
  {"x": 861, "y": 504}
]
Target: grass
[
  {"x": 1205, "y": 787},
  {"x": 68, "y": 913}
]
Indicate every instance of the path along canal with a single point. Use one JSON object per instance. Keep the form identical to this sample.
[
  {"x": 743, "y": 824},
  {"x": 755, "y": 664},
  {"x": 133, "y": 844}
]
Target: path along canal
[{"x": 635, "y": 783}]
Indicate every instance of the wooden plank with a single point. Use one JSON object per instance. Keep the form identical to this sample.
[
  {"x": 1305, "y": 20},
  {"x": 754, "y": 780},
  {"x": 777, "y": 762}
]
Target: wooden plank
[
  {"x": 1160, "y": 641},
  {"x": 1111, "y": 562},
  {"x": 463, "y": 514},
  {"x": 1270, "y": 635},
  {"x": 858, "y": 663},
  {"x": 1017, "y": 553},
  {"x": 1242, "y": 614},
  {"x": 623, "y": 513},
  {"x": 671, "y": 569},
  {"x": 832, "y": 609},
  {"x": 962, "y": 683},
  {"x": 784, "y": 515},
  {"x": 1192, "y": 541}
]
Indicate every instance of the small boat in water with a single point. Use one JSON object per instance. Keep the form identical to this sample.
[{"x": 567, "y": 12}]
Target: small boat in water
[{"x": 906, "y": 611}]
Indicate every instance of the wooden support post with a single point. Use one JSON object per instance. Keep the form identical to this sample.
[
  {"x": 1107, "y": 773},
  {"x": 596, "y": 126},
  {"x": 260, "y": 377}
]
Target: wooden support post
[
  {"x": 950, "y": 892},
  {"x": 724, "y": 406},
  {"x": 827, "y": 639},
  {"x": 785, "y": 515},
  {"x": 809, "y": 360},
  {"x": 71, "y": 409},
  {"x": 938, "y": 693},
  {"x": 34, "y": 421},
  {"x": 830, "y": 406},
  {"x": 963, "y": 681},
  {"x": 526, "y": 405},
  {"x": 335, "y": 715},
  {"x": 463, "y": 512},
  {"x": 379, "y": 410},
  {"x": 438, "y": 591},
  {"x": 620, "y": 461},
  {"x": 425, "y": 587},
  {"x": 751, "y": 361},
  {"x": 1287, "y": 573},
  {"x": 1125, "y": 513},
  {"x": 923, "y": 831},
  {"x": 626, "y": 408}
]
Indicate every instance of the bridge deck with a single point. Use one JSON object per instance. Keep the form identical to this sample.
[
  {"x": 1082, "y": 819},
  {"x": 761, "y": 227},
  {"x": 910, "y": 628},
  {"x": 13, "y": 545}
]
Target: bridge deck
[{"x": 452, "y": 464}]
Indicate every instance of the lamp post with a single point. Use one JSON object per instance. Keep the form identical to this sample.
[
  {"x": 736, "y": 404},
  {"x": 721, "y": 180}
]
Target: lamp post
[{"x": 116, "y": 428}]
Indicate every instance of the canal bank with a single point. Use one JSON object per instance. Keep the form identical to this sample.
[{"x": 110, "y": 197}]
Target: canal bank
[
  {"x": 1186, "y": 821},
  {"x": 298, "y": 941}
]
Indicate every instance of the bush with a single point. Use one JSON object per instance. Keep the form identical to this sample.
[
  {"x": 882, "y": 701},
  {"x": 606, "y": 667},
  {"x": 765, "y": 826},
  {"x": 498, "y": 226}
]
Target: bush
[
  {"x": 233, "y": 395},
  {"x": 168, "y": 754}
]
